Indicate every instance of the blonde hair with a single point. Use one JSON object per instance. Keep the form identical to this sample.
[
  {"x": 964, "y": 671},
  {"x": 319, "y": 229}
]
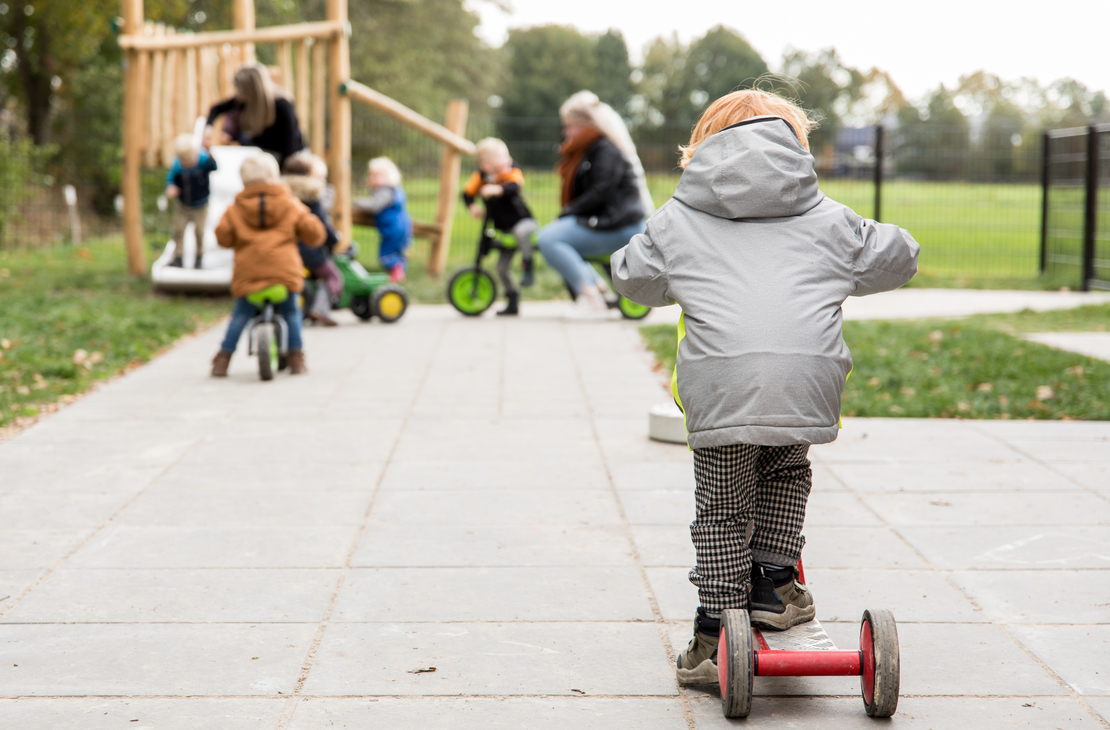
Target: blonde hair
[
  {"x": 584, "y": 106},
  {"x": 259, "y": 168},
  {"x": 491, "y": 146},
  {"x": 185, "y": 147},
  {"x": 306, "y": 163},
  {"x": 254, "y": 88},
  {"x": 385, "y": 165},
  {"x": 745, "y": 104}
]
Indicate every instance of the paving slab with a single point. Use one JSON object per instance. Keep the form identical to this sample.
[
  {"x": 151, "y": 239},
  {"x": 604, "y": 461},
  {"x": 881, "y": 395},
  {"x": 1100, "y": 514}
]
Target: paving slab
[
  {"x": 1091, "y": 344},
  {"x": 480, "y": 496}
]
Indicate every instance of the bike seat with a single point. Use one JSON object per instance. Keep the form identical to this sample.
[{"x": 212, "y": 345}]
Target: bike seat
[{"x": 275, "y": 294}]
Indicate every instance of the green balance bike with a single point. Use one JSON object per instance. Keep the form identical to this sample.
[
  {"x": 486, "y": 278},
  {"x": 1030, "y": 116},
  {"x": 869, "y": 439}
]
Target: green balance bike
[
  {"x": 268, "y": 332},
  {"x": 367, "y": 294},
  {"x": 473, "y": 290}
]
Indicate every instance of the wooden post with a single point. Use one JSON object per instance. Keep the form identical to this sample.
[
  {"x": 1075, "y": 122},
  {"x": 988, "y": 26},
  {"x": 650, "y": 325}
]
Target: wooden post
[
  {"x": 224, "y": 72},
  {"x": 339, "y": 143},
  {"x": 186, "y": 90},
  {"x": 169, "y": 99},
  {"x": 319, "y": 97},
  {"x": 154, "y": 101},
  {"x": 204, "y": 80},
  {"x": 142, "y": 82},
  {"x": 244, "y": 20},
  {"x": 449, "y": 169},
  {"x": 285, "y": 63},
  {"x": 300, "y": 96},
  {"x": 132, "y": 141}
]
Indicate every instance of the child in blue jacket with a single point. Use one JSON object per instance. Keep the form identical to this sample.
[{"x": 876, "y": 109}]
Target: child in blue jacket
[
  {"x": 188, "y": 182},
  {"x": 387, "y": 203}
]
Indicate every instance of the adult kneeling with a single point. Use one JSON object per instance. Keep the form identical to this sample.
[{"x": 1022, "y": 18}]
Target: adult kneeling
[{"x": 604, "y": 197}]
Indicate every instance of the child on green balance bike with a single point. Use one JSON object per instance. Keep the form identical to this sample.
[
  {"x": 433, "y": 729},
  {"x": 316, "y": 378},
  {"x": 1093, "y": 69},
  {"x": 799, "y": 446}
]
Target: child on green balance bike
[
  {"x": 263, "y": 226},
  {"x": 497, "y": 182}
]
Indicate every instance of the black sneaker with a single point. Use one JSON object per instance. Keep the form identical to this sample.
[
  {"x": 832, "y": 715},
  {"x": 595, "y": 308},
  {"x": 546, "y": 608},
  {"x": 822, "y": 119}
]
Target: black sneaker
[{"x": 778, "y": 601}]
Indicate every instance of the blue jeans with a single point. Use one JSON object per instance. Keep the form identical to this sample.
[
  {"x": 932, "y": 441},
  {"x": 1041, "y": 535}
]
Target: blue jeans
[
  {"x": 565, "y": 244},
  {"x": 290, "y": 309}
]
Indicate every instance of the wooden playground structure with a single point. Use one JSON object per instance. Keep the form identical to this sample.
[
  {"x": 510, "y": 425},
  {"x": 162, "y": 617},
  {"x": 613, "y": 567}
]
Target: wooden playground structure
[{"x": 172, "y": 78}]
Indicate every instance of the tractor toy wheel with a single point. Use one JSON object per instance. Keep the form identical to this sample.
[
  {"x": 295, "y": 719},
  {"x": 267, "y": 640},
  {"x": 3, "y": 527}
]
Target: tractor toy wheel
[
  {"x": 472, "y": 291},
  {"x": 878, "y": 645},
  {"x": 361, "y": 307},
  {"x": 631, "y": 310},
  {"x": 735, "y": 663},
  {"x": 389, "y": 302}
]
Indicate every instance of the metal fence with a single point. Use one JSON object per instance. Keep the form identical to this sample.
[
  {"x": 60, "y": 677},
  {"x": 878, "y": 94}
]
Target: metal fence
[{"x": 1075, "y": 232}]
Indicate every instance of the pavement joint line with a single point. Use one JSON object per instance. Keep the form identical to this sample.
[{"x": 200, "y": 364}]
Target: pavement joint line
[
  {"x": 1046, "y": 464},
  {"x": 704, "y": 693},
  {"x": 502, "y": 357},
  {"x": 310, "y": 659},
  {"x": 660, "y": 622},
  {"x": 1004, "y": 628},
  {"x": 494, "y": 622}
]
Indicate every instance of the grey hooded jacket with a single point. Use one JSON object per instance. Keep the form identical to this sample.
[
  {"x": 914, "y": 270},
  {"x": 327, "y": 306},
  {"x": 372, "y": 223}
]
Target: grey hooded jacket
[{"x": 760, "y": 262}]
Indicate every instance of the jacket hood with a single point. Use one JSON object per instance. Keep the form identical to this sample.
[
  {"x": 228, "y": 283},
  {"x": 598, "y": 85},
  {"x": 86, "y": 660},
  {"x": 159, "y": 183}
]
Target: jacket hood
[
  {"x": 306, "y": 188},
  {"x": 754, "y": 169},
  {"x": 262, "y": 205}
]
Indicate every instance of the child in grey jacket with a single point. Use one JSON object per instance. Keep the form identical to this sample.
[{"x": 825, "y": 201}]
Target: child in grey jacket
[{"x": 760, "y": 262}]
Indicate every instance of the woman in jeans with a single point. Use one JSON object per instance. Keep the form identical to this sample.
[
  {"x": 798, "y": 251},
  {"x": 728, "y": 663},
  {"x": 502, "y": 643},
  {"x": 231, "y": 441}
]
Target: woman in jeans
[{"x": 604, "y": 197}]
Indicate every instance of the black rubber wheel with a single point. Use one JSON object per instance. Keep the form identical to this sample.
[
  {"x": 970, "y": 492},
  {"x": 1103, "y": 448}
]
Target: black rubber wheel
[
  {"x": 879, "y": 678},
  {"x": 736, "y": 663},
  {"x": 389, "y": 302},
  {"x": 265, "y": 349},
  {"x": 361, "y": 307},
  {"x": 472, "y": 291}
]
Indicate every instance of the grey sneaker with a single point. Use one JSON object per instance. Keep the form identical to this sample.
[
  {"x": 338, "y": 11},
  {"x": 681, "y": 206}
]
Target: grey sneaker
[
  {"x": 778, "y": 601},
  {"x": 698, "y": 663}
]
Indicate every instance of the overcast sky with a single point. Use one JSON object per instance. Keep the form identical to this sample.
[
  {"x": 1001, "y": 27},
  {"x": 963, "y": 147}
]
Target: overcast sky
[{"x": 921, "y": 44}]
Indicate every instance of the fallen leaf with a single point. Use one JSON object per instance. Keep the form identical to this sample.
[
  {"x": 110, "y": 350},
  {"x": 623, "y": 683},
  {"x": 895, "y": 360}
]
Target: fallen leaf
[
  {"x": 6, "y": 343},
  {"x": 578, "y": 691},
  {"x": 908, "y": 391},
  {"x": 940, "y": 503},
  {"x": 963, "y": 406},
  {"x": 1044, "y": 392},
  {"x": 84, "y": 253},
  {"x": 80, "y": 356},
  {"x": 936, "y": 336},
  {"x": 96, "y": 357},
  {"x": 5, "y": 273},
  {"x": 1077, "y": 371},
  {"x": 23, "y": 390},
  {"x": 1003, "y": 401},
  {"x": 985, "y": 387},
  {"x": 874, "y": 382},
  {"x": 424, "y": 670}
]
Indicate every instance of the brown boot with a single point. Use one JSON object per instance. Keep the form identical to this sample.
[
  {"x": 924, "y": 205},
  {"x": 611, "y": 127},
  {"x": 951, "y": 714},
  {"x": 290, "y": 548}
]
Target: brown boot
[
  {"x": 296, "y": 362},
  {"x": 220, "y": 363},
  {"x": 322, "y": 319}
]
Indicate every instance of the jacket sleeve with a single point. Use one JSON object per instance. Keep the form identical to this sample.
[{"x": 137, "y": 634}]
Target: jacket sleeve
[
  {"x": 309, "y": 228},
  {"x": 886, "y": 258},
  {"x": 225, "y": 231},
  {"x": 640, "y": 270},
  {"x": 222, "y": 107},
  {"x": 607, "y": 171}
]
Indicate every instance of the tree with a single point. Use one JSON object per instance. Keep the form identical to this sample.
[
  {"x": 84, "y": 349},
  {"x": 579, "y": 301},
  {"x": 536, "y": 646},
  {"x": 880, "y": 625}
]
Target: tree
[
  {"x": 547, "y": 63},
  {"x": 614, "y": 71},
  {"x": 824, "y": 87},
  {"x": 933, "y": 140}
]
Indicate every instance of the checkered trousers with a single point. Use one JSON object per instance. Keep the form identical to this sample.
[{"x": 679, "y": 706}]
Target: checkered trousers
[{"x": 744, "y": 487}]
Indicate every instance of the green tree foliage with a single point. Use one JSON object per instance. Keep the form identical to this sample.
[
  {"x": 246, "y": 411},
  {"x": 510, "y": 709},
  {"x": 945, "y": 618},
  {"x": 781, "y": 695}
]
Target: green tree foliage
[
  {"x": 933, "y": 141},
  {"x": 546, "y": 63},
  {"x": 824, "y": 87},
  {"x": 614, "y": 71}
]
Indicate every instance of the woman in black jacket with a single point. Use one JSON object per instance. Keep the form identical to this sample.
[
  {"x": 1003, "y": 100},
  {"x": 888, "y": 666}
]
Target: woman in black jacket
[
  {"x": 604, "y": 198},
  {"x": 266, "y": 117}
]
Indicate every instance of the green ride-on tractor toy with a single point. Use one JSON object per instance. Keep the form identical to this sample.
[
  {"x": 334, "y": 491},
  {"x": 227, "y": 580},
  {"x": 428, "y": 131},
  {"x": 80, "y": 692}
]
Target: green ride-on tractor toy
[
  {"x": 367, "y": 294},
  {"x": 473, "y": 290}
]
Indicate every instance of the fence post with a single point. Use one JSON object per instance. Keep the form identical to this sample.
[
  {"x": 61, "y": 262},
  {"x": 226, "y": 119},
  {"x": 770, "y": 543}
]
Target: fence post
[
  {"x": 1046, "y": 163},
  {"x": 1090, "y": 209},
  {"x": 449, "y": 167},
  {"x": 880, "y": 151}
]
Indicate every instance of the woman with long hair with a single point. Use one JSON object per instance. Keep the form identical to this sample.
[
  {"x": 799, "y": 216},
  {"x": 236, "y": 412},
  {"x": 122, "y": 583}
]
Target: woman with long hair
[
  {"x": 604, "y": 197},
  {"x": 266, "y": 117}
]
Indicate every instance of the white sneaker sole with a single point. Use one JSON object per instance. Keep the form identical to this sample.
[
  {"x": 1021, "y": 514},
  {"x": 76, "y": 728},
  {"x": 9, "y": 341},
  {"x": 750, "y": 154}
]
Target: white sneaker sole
[
  {"x": 704, "y": 673},
  {"x": 782, "y": 621}
]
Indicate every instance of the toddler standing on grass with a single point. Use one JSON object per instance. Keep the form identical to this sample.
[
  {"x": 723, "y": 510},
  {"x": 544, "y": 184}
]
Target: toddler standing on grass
[
  {"x": 263, "y": 226},
  {"x": 187, "y": 181},
  {"x": 760, "y": 262},
  {"x": 387, "y": 203}
]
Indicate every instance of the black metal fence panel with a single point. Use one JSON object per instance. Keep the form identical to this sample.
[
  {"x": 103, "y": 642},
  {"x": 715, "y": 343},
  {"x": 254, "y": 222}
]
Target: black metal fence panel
[{"x": 1075, "y": 239}]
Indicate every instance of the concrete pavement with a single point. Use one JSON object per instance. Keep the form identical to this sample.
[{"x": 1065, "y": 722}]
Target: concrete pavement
[{"x": 479, "y": 496}]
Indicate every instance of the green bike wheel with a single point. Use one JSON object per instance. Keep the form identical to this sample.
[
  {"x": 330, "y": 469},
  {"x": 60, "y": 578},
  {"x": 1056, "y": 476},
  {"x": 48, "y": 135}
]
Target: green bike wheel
[
  {"x": 471, "y": 291},
  {"x": 631, "y": 310}
]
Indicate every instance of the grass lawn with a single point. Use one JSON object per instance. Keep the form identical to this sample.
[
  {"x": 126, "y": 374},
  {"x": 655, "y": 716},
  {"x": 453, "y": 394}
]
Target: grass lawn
[
  {"x": 969, "y": 368},
  {"x": 72, "y": 316}
]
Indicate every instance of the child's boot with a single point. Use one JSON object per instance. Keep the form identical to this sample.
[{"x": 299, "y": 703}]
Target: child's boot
[
  {"x": 397, "y": 273},
  {"x": 177, "y": 262},
  {"x": 220, "y": 363},
  {"x": 778, "y": 601},
  {"x": 199, "y": 263},
  {"x": 296, "y": 362},
  {"x": 697, "y": 664},
  {"x": 513, "y": 305},
  {"x": 529, "y": 277}
]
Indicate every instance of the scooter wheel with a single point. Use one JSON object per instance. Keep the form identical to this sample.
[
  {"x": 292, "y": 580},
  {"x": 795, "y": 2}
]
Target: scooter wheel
[
  {"x": 878, "y": 645},
  {"x": 472, "y": 291},
  {"x": 735, "y": 663}
]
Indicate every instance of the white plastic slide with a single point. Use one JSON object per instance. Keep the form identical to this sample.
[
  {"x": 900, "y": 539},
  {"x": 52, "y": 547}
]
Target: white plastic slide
[{"x": 215, "y": 276}]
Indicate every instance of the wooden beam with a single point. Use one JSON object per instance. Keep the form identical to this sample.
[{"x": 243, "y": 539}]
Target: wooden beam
[
  {"x": 186, "y": 89},
  {"x": 274, "y": 34},
  {"x": 243, "y": 15},
  {"x": 285, "y": 63},
  {"x": 155, "y": 108},
  {"x": 397, "y": 110},
  {"x": 204, "y": 80},
  {"x": 224, "y": 72},
  {"x": 301, "y": 95},
  {"x": 142, "y": 100},
  {"x": 133, "y": 113},
  {"x": 449, "y": 169},
  {"x": 319, "y": 97},
  {"x": 169, "y": 98},
  {"x": 339, "y": 128}
]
